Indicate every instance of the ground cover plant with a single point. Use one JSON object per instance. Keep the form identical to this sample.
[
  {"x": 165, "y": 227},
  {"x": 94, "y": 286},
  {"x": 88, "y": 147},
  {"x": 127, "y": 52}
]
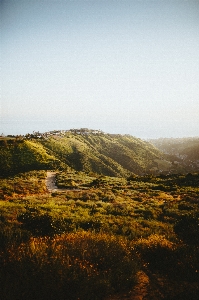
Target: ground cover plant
[
  {"x": 91, "y": 238},
  {"x": 74, "y": 266},
  {"x": 32, "y": 182}
]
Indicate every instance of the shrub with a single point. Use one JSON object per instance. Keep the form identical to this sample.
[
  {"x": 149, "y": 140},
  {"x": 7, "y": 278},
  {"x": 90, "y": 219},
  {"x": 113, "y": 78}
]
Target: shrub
[
  {"x": 39, "y": 225},
  {"x": 12, "y": 237},
  {"x": 74, "y": 266},
  {"x": 156, "y": 252},
  {"x": 187, "y": 228}
]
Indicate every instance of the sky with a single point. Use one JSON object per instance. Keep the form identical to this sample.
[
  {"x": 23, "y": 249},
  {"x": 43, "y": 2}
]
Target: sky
[{"x": 128, "y": 67}]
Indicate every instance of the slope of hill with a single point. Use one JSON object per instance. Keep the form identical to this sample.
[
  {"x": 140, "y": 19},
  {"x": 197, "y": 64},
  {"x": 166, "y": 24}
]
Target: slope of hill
[
  {"x": 108, "y": 154},
  {"x": 185, "y": 149},
  {"x": 19, "y": 155},
  {"x": 82, "y": 150}
]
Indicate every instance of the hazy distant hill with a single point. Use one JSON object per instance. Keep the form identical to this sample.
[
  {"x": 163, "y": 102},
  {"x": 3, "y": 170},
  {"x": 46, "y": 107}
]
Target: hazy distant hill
[
  {"x": 83, "y": 150},
  {"x": 186, "y": 149}
]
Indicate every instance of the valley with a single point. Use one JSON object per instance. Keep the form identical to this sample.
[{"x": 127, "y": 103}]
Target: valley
[{"x": 184, "y": 150}]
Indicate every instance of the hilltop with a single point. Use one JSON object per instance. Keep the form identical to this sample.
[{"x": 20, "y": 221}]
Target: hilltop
[{"x": 91, "y": 151}]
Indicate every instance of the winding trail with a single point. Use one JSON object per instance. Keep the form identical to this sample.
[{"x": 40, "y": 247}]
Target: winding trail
[{"x": 50, "y": 182}]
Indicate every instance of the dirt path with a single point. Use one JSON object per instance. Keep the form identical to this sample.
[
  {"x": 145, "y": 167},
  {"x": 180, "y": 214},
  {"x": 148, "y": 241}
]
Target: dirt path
[
  {"x": 141, "y": 288},
  {"x": 51, "y": 184},
  {"x": 139, "y": 291},
  {"x": 50, "y": 181}
]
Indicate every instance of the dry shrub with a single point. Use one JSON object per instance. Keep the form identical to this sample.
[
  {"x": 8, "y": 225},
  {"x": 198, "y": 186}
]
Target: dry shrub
[
  {"x": 74, "y": 266},
  {"x": 156, "y": 252}
]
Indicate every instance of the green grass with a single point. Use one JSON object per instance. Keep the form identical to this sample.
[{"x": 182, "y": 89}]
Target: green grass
[
  {"x": 24, "y": 155},
  {"x": 73, "y": 266},
  {"x": 90, "y": 242},
  {"x": 112, "y": 155},
  {"x": 32, "y": 182}
]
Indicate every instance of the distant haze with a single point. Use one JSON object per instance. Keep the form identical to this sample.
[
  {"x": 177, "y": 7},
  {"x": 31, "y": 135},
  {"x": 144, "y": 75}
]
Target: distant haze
[{"x": 116, "y": 65}]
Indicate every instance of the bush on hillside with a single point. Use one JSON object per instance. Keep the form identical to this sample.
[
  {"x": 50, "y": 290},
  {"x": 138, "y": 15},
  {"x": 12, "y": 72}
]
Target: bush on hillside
[{"x": 74, "y": 266}]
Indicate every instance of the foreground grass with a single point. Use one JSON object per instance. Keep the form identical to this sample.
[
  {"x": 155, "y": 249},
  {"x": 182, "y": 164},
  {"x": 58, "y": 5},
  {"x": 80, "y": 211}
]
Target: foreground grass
[
  {"x": 73, "y": 266},
  {"x": 92, "y": 242},
  {"x": 23, "y": 184}
]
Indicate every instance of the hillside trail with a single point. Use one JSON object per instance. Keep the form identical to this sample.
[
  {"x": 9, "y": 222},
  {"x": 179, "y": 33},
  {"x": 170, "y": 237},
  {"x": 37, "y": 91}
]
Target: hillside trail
[
  {"x": 51, "y": 184},
  {"x": 150, "y": 286},
  {"x": 139, "y": 291}
]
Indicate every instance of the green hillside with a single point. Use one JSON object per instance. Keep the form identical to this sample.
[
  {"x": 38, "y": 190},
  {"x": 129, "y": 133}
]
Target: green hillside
[
  {"x": 95, "y": 236},
  {"x": 82, "y": 150},
  {"x": 20, "y": 155},
  {"x": 99, "y": 240},
  {"x": 108, "y": 154}
]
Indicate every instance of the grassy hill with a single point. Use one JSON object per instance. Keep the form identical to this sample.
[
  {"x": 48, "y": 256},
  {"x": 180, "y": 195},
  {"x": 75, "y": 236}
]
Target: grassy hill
[
  {"x": 97, "y": 237},
  {"x": 107, "y": 154},
  {"x": 82, "y": 150},
  {"x": 20, "y": 155}
]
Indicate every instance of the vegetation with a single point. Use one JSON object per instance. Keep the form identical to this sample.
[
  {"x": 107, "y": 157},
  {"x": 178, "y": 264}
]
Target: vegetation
[
  {"x": 112, "y": 155},
  {"x": 83, "y": 150},
  {"x": 183, "y": 151},
  {"x": 91, "y": 238},
  {"x": 93, "y": 235},
  {"x": 21, "y": 155},
  {"x": 72, "y": 266}
]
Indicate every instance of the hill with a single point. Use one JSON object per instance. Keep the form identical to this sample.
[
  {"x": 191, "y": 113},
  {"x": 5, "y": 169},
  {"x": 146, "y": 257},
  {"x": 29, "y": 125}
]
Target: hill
[
  {"x": 185, "y": 149},
  {"x": 107, "y": 154},
  {"x": 20, "y": 155},
  {"x": 90, "y": 151},
  {"x": 99, "y": 240}
]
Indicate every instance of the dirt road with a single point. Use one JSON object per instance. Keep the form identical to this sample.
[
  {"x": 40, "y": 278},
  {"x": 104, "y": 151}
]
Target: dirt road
[{"x": 50, "y": 182}]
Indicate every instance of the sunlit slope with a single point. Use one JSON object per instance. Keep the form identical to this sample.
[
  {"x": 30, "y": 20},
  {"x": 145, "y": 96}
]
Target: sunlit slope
[
  {"x": 23, "y": 155},
  {"x": 107, "y": 154},
  {"x": 81, "y": 156},
  {"x": 114, "y": 155}
]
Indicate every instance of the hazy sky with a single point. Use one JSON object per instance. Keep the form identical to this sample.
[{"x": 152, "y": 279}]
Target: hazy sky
[{"x": 116, "y": 65}]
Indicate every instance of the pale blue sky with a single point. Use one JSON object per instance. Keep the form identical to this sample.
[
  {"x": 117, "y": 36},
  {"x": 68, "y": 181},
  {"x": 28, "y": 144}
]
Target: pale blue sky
[{"x": 116, "y": 65}]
